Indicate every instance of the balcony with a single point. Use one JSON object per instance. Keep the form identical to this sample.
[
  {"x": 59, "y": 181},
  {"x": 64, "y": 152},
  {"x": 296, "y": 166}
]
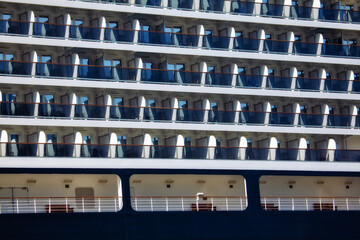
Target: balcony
[
  {"x": 250, "y": 8},
  {"x": 116, "y": 35},
  {"x": 14, "y": 149},
  {"x": 163, "y": 76}
]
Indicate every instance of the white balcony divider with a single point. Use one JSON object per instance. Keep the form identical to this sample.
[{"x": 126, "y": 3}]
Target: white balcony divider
[
  {"x": 188, "y": 203},
  {"x": 311, "y": 203},
  {"x": 59, "y": 205}
]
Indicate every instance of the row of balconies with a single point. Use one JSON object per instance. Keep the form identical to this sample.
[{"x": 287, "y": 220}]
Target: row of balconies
[
  {"x": 173, "y": 110},
  {"x": 197, "y": 37},
  {"x": 231, "y": 76},
  {"x": 144, "y": 146},
  {"x": 311, "y": 10}
]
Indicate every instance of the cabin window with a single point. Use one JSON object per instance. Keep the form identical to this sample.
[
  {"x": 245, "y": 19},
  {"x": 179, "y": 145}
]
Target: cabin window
[{"x": 188, "y": 193}]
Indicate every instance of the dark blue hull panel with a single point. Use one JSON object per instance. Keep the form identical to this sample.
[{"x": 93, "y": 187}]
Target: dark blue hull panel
[{"x": 253, "y": 223}]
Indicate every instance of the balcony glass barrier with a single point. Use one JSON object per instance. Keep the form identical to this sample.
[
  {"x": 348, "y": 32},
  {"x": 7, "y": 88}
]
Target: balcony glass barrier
[
  {"x": 249, "y": 81},
  {"x": 14, "y": 27},
  {"x": 14, "y": 149},
  {"x": 49, "y": 30},
  {"x": 118, "y": 35},
  {"x": 281, "y": 118},
  {"x": 307, "y": 119},
  {"x": 89, "y": 111},
  {"x": 277, "y": 82},
  {"x": 276, "y": 46},
  {"x": 247, "y": 8},
  {"x": 336, "y": 85},
  {"x": 80, "y": 32},
  {"x": 307, "y": 48},
  {"x": 17, "y": 109}
]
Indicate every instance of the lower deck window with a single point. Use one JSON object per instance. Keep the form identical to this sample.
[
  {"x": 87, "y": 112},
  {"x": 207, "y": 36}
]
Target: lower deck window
[
  {"x": 59, "y": 193},
  {"x": 306, "y": 193},
  {"x": 152, "y": 193}
]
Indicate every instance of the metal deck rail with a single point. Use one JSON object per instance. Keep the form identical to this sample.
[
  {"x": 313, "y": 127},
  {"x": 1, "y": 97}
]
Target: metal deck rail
[
  {"x": 59, "y": 205},
  {"x": 188, "y": 203},
  {"x": 311, "y": 203}
]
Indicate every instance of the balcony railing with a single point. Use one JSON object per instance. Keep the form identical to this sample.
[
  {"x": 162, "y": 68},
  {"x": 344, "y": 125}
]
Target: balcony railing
[
  {"x": 251, "y": 8},
  {"x": 80, "y": 32},
  {"x": 17, "y": 149},
  {"x": 19, "y": 205},
  {"x": 184, "y": 115},
  {"x": 188, "y": 203},
  {"x": 163, "y": 76},
  {"x": 310, "y": 203}
]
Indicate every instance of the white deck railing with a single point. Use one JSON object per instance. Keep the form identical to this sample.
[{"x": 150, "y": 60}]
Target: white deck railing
[
  {"x": 182, "y": 203},
  {"x": 59, "y": 204},
  {"x": 310, "y": 203}
]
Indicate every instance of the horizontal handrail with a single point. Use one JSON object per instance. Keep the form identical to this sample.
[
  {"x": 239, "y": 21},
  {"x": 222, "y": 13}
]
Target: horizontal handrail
[{"x": 205, "y": 196}]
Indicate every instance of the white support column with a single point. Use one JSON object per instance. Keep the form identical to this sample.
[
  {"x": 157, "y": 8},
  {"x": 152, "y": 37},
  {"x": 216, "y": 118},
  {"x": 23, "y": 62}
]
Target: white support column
[
  {"x": 290, "y": 36},
  {"x": 231, "y": 35},
  {"x": 102, "y": 25},
  {"x": 354, "y": 112},
  {"x": 174, "y": 105},
  {"x": 78, "y": 140},
  {"x": 227, "y": 6},
  {"x": 67, "y": 22},
  {"x": 206, "y": 108},
  {"x": 331, "y": 150},
  {"x": 264, "y": 72},
  {"x": 234, "y": 69},
  {"x": 293, "y": 75},
  {"x": 3, "y": 139},
  {"x": 286, "y": 8},
  {"x": 72, "y": 101},
  {"x": 267, "y": 109},
  {"x": 164, "y": 3},
  {"x": 31, "y": 19},
  {"x": 319, "y": 39},
  {"x": 146, "y": 149},
  {"x": 350, "y": 77},
  {"x": 322, "y": 77},
  {"x": 132, "y": 2},
  {"x": 36, "y": 101},
  {"x": 257, "y": 7},
  {"x": 107, "y": 103},
  {"x": 141, "y": 104},
  {"x": 203, "y": 69},
  {"x": 139, "y": 64},
  {"x": 243, "y": 144},
  {"x": 200, "y": 31},
  {"x": 315, "y": 6},
  {"x": 135, "y": 25},
  {"x": 302, "y": 149},
  {"x": 211, "y": 147},
  {"x": 196, "y": 4},
  {"x": 237, "y": 108},
  {"x": 325, "y": 112},
  {"x": 180, "y": 143},
  {"x": 75, "y": 61},
  {"x": 297, "y": 111},
  {"x": 34, "y": 60},
  {"x": 273, "y": 145},
  {"x": 41, "y": 140},
  {"x": 260, "y": 34},
  {"x": 112, "y": 140}
]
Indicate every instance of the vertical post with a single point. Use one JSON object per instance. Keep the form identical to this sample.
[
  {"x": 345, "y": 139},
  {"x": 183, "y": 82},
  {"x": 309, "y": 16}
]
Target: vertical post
[
  {"x": 320, "y": 204},
  {"x": 182, "y": 203},
  {"x": 279, "y": 204},
  {"x": 333, "y": 204},
  {"x": 292, "y": 204},
  {"x": 347, "y": 204},
  {"x": 66, "y": 205},
  {"x": 49, "y": 205},
  {"x": 167, "y": 204},
  {"x": 99, "y": 203},
  {"x": 307, "y": 204},
  {"x": 17, "y": 205},
  {"x": 265, "y": 203},
  {"x": 151, "y": 204},
  {"x": 227, "y": 204},
  {"x": 136, "y": 204},
  {"x": 34, "y": 205},
  {"x": 241, "y": 204},
  {"x": 212, "y": 204},
  {"x": 83, "y": 204}
]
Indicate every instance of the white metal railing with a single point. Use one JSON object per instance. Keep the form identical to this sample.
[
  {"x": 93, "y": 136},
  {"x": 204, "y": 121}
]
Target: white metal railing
[
  {"x": 186, "y": 203},
  {"x": 59, "y": 204},
  {"x": 311, "y": 203}
]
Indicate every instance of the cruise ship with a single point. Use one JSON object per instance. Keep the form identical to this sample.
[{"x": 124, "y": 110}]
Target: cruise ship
[{"x": 179, "y": 119}]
